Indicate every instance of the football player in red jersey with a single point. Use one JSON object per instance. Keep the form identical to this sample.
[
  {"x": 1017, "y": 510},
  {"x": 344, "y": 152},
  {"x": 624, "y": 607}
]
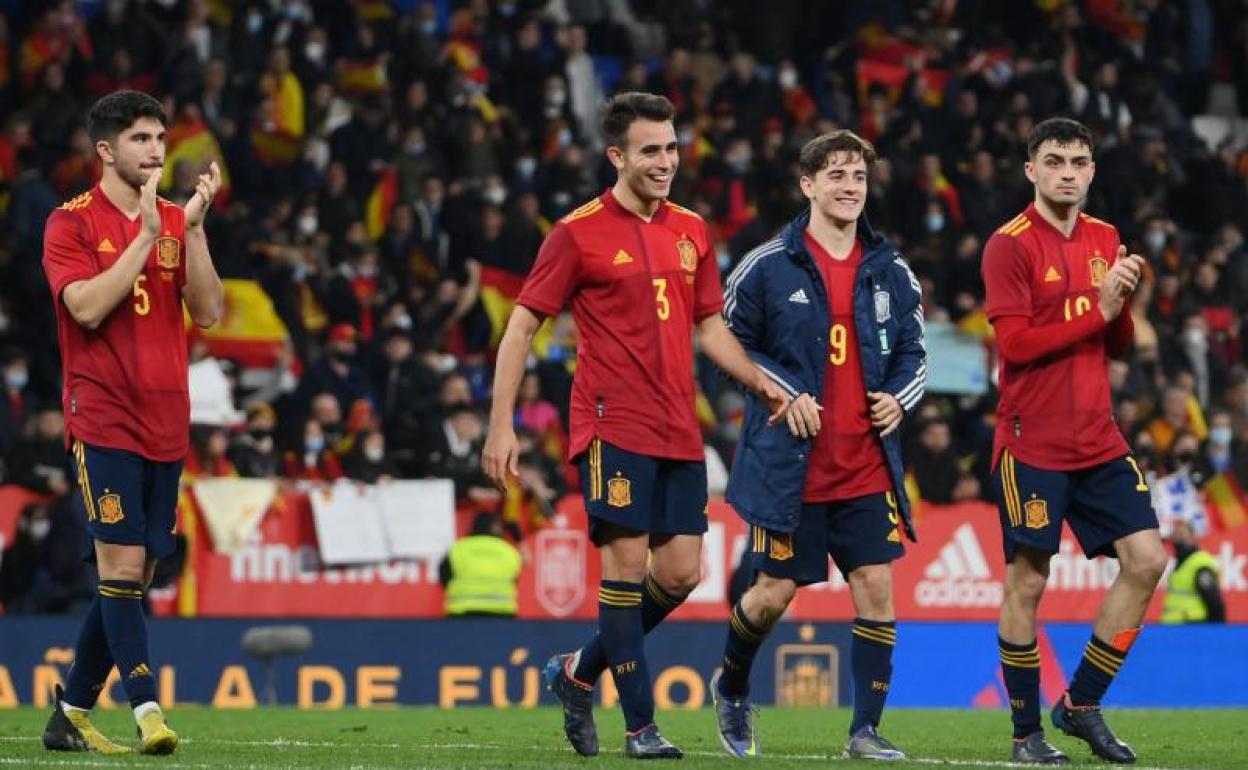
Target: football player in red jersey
[
  {"x": 640, "y": 275},
  {"x": 1057, "y": 284},
  {"x": 121, "y": 263}
]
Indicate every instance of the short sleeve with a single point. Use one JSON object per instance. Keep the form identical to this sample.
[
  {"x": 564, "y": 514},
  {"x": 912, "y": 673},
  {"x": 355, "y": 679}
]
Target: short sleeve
[
  {"x": 554, "y": 277},
  {"x": 1007, "y": 278},
  {"x": 67, "y": 257},
  {"x": 708, "y": 294}
]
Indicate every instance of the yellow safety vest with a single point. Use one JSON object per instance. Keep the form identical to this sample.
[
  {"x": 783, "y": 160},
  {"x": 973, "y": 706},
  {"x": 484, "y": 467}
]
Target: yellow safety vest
[
  {"x": 1183, "y": 603},
  {"x": 484, "y": 569}
]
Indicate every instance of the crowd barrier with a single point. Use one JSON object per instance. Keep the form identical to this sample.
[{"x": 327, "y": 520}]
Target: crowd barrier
[{"x": 954, "y": 572}]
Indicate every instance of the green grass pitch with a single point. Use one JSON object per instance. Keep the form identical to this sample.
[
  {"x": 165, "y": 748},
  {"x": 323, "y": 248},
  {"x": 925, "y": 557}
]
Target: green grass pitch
[{"x": 411, "y": 738}]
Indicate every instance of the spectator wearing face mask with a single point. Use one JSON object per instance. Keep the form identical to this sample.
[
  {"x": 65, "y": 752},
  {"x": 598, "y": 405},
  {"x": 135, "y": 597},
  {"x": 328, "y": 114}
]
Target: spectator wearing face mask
[
  {"x": 38, "y": 463},
  {"x": 16, "y": 402},
  {"x": 1185, "y": 457},
  {"x": 1179, "y": 412},
  {"x": 338, "y": 371},
  {"x": 253, "y": 451},
  {"x": 367, "y": 461},
  {"x": 311, "y": 459},
  {"x": 42, "y": 570},
  {"x": 1219, "y": 450}
]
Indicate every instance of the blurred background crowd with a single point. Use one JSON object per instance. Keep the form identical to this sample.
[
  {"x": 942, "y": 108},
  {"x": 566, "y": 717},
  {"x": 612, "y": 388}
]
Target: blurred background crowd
[{"x": 392, "y": 167}]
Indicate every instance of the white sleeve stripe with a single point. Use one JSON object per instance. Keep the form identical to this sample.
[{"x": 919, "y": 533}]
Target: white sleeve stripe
[
  {"x": 920, "y": 377},
  {"x": 743, "y": 269},
  {"x": 779, "y": 380}
]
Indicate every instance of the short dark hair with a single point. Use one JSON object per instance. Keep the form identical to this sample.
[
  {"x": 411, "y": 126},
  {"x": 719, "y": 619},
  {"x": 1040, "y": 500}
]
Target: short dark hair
[
  {"x": 116, "y": 112},
  {"x": 1063, "y": 131},
  {"x": 619, "y": 112},
  {"x": 817, "y": 151}
]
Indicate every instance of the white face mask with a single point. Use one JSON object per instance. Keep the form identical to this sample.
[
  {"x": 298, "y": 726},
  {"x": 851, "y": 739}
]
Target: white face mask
[
  {"x": 788, "y": 78},
  {"x": 307, "y": 225},
  {"x": 495, "y": 196},
  {"x": 1220, "y": 436},
  {"x": 39, "y": 529},
  {"x": 314, "y": 51},
  {"x": 374, "y": 454}
]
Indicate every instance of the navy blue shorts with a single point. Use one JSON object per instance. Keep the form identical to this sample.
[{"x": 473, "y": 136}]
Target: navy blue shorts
[
  {"x": 855, "y": 532},
  {"x": 127, "y": 499},
  {"x": 1101, "y": 504},
  {"x": 642, "y": 493}
]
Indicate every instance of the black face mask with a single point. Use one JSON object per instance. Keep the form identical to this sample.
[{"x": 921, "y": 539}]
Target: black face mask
[
  {"x": 260, "y": 435},
  {"x": 332, "y": 429},
  {"x": 1187, "y": 458},
  {"x": 341, "y": 356}
]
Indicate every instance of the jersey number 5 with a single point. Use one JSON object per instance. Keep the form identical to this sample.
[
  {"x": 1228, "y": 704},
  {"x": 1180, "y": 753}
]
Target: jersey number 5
[
  {"x": 142, "y": 300},
  {"x": 663, "y": 304}
]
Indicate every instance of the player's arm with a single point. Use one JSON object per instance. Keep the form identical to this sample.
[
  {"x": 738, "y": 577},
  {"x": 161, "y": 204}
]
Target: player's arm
[
  {"x": 203, "y": 293},
  {"x": 906, "y": 380},
  {"x": 500, "y": 457},
  {"x": 90, "y": 300},
  {"x": 726, "y": 351}
]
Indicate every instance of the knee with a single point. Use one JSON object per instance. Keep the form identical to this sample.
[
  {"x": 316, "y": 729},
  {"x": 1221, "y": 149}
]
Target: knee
[
  {"x": 872, "y": 587},
  {"x": 772, "y": 597},
  {"x": 681, "y": 582},
  {"x": 1147, "y": 566},
  {"x": 1027, "y": 587}
]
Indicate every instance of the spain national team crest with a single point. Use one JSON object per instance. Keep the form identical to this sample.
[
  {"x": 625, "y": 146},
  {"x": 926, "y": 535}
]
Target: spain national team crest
[
  {"x": 168, "y": 252},
  {"x": 1037, "y": 512},
  {"x": 781, "y": 547},
  {"x": 1098, "y": 266},
  {"x": 619, "y": 492},
  {"x": 688, "y": 254},
  {"x": 559, "y": 568},
  {"x": 110, "y": 508}
]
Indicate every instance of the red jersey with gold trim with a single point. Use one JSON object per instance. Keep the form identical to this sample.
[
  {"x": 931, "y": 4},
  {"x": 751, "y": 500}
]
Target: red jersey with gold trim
[
  {"x": 846, "y": 459},
  {"x": 126, "y": 380},
  {"x": 636, "y": 288},
  {"x": 1055, "y": 412}
]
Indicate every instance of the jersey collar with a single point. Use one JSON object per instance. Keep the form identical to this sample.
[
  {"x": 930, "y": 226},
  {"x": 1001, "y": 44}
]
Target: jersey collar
[
  {"x": 660, "y": 215},
  {"x": 1035, "y": 216}
]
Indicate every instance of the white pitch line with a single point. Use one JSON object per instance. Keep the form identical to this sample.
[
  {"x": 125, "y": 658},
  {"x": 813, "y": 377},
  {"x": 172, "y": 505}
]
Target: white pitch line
[{"x": 299, "y": 743}]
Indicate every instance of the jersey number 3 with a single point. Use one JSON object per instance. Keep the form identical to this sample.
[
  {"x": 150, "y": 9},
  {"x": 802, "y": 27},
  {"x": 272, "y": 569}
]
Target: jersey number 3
[{"x": 663, "y": 306}]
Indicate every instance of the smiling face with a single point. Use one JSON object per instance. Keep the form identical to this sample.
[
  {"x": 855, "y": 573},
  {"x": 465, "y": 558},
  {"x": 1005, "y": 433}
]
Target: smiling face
[
  {"x": 838, "y": 191},
  {"x": 1061, "y": 172},
  {"x": 136, "y": 153},
  {"x": 647, "y": 159}
]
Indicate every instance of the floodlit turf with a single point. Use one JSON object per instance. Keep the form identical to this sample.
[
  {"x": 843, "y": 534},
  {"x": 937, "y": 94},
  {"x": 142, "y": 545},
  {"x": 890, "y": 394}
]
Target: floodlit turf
[{"x": 412, "y": 738}]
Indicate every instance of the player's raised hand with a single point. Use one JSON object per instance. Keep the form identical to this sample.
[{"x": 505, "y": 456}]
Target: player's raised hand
[
  {"x": 802, "y": 416},
  {"x": 1130, "y": 268},
  {"x": 205, "y": 190},
  {"x": 886, "y": 412},
  {"x": 147, "y": 205},
  {"x": 500, "y": 459}
]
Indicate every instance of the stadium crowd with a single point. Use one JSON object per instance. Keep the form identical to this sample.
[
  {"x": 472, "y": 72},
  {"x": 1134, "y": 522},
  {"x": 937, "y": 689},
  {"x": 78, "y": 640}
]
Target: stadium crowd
[{"x": 392, "y": 168}]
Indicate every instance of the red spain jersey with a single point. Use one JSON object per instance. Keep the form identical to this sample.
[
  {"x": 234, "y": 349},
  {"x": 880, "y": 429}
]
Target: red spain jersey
[
  {"x": 636, "y": 288},
  {"x": 846, "y": 459},
  {"x": 1055, "y": 412},
  {"x": 126, "y": 380}
]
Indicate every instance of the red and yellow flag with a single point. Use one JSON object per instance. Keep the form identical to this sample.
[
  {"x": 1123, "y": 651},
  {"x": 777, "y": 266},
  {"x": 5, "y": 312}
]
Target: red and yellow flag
[{"x": 1225, "y": 501}]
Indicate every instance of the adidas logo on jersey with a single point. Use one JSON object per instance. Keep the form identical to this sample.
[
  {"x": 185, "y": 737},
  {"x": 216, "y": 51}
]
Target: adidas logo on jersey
[
  {"x": 622, "y": 258},
  {"x": 799, "y": 297},
  {"x": 959, "y": 577},
  {"x": 106, "y": 247},
  {"x": 1052, "y": 276}
]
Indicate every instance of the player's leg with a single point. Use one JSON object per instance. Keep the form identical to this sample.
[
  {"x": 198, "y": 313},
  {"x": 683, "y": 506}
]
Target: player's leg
[
  {"x": 1031, "y": 534},
  {"x": 781, "y": 561},
  {"x": 863, "y": 540},
  {"x": 69, "y": 728},
  {"x": 1111, "y": 514},
  {"x": 675, "y": 569}
]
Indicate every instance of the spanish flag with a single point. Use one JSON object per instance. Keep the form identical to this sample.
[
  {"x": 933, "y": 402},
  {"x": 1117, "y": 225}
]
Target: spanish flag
[
  {"x": 893, "y": 76},
  {"x": 196, "y": 143},
  {"x": 499, "y": 290},
  {"x": 1225, "y": 501},
  {"x": 249, "y": 330},
  {"x": 380, "y": 204},
  {"x": 277, "y": 141}
]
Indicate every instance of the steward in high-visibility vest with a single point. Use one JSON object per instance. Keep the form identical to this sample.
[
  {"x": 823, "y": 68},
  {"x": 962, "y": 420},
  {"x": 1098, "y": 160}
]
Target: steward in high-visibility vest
[
  {"x": 480, "y": 571},
  {"x": 1192, "y": 594}
]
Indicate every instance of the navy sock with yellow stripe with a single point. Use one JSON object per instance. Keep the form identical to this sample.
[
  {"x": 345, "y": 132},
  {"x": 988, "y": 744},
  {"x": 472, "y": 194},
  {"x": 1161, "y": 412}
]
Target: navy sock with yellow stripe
[
  {"x": 744, "y": 639},
  {"x": 1020, "y": 668},
  {"x": 121, "y": 607},
  {"x": 871, "y": 659},
  {"x": 92, "y": 660},
  {"x": 1096, "y": 672},
  {"x": 656, "y": 605},
  {"x": 623, "y": 640}
]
